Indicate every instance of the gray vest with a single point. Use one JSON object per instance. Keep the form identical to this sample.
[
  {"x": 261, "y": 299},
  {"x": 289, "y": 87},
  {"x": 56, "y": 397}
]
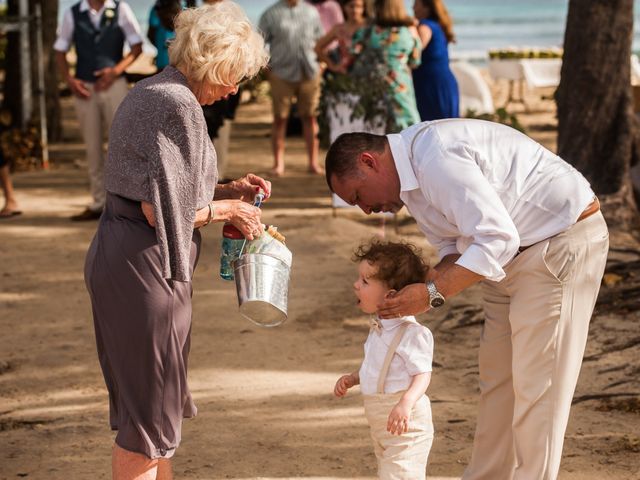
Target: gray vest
[{"x": 96, "y": 48}]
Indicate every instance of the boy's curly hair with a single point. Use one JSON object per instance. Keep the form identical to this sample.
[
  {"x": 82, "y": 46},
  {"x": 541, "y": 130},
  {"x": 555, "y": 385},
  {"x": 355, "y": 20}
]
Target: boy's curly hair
[{"x": 399, "y": 263}]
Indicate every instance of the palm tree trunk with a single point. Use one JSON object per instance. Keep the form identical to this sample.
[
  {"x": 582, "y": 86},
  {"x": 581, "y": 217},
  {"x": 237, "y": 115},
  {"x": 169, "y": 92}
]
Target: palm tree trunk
[{"x": 598, "y": 132}]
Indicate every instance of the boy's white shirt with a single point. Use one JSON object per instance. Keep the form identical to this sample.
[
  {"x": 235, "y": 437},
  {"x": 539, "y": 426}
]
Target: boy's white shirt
[{"x": 414, "y": 355}]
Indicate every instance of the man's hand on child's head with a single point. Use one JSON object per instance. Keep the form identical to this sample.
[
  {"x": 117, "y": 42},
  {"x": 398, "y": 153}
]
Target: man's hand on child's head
[{"x": 343, "y": 384}]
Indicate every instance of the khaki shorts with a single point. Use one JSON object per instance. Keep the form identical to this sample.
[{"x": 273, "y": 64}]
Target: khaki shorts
[{"x": 307, "y": 93}]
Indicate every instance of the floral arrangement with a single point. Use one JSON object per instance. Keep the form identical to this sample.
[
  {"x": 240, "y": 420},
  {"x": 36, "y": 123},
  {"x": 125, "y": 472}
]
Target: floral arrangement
[
  {"x": 365, "y": 89},
  {"x": 517, "y": 53}
]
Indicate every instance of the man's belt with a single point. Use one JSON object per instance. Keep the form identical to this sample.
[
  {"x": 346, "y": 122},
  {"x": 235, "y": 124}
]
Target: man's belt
[{"x": 592, "y": 208}]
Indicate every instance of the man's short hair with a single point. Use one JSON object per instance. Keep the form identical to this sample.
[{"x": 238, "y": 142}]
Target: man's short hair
[{"x": 343, "y": 154}]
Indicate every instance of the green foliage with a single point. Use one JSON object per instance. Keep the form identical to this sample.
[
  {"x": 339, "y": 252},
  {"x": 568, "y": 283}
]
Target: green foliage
[
  {"x": 500, "y": 116},
  {"x": 513, "y": 53}
]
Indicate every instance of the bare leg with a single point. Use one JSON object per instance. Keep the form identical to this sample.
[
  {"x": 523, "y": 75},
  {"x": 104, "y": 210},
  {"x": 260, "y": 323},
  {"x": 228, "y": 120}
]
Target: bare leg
[
  {"x": 310, "y": 131},
  {"x": 278, "y": 132},
  {"x": 126, "y": 465},
  {"x": 164, "y": 469},
  {"x": 10, "y": 202}
]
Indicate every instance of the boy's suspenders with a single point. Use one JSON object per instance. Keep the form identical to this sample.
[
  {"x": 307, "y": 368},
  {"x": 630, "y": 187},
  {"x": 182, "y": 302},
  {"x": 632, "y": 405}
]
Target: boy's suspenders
[{"x": 390, "y": 353}]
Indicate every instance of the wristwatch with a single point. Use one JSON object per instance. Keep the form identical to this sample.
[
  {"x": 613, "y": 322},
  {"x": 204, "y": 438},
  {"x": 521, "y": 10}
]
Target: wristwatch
[{"x": 435, "y": 297}]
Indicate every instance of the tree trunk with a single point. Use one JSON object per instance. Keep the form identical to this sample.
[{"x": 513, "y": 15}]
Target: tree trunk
[
  {"x": 13, "y": 86},
  {"x": 598, "y": 132},
  {"x": 49, "y": 26},
  {"x": 11, "y": 93}
]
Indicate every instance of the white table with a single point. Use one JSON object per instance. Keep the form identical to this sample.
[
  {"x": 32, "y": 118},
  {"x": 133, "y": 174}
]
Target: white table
[{"x": 536, "y": 72}]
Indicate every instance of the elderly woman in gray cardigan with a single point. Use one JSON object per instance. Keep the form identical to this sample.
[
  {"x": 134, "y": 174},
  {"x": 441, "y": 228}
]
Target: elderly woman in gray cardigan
[{"x": 161, "y": 189}]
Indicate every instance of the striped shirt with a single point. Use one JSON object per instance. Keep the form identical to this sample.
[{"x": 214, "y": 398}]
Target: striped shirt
[{"x": 291, "y": 31}]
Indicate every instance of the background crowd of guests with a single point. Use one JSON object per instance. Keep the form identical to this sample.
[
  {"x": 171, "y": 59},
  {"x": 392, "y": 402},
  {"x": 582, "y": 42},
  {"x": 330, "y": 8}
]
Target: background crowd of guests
[
  {"x": 305, "y": 39},
  {"x": 411, "y": 58},
  {"x": 421, "y": 85}
]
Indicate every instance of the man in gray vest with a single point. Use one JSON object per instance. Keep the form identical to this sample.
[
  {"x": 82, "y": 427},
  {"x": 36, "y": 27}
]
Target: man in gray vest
[{"x": 98, "y": 30}]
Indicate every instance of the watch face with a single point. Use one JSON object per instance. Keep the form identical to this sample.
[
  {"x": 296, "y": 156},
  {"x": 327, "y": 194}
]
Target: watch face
[{"x": 437, "y": 302}]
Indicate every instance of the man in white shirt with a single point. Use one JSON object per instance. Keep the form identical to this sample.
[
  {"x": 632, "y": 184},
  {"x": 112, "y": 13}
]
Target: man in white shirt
[
  {"x": 504, "y": 211},
  {"x": 98, "y": 30}
]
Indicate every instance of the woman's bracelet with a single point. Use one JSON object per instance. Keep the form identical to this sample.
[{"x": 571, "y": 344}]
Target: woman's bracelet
[{"x": 210, "y": 216}]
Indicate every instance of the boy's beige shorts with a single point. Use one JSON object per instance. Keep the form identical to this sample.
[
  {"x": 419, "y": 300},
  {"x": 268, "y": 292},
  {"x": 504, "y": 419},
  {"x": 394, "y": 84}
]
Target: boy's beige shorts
[{"x": 400, "y": 457}]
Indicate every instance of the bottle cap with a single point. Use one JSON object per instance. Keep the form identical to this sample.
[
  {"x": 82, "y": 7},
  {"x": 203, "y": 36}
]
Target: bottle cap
[{"x": 230, "y": 231}]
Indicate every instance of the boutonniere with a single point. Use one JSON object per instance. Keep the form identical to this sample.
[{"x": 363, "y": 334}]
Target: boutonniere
[{"x": 109, "y": 13}]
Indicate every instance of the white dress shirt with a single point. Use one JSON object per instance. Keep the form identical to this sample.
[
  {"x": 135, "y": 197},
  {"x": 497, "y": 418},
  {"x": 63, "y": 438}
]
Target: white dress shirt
[
  {"x": 482, "y": 189},
  {"x": 413, "y": 355},
  {"x": 126, "y": 20}
]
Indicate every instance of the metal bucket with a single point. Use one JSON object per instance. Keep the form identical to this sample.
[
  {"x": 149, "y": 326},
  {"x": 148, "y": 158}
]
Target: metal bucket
[{"x": 262, "y": 284}]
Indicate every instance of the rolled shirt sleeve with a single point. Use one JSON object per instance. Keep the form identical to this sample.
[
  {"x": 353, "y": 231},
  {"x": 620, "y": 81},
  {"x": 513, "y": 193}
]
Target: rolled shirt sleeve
[
  {"x": 65, "y": 33},
  {"x": 129, "y": 24},
  {"x": 458, "y": 189}
]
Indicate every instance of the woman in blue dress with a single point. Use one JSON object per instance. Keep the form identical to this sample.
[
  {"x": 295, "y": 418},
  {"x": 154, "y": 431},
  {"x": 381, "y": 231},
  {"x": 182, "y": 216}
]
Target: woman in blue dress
[{"x": 435, "y": 86}]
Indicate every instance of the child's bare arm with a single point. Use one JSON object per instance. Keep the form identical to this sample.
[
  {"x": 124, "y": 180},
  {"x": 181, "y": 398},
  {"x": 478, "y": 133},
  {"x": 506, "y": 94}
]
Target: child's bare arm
[
  {"x": 398, "y": 422},
  {"x": 345, "y": 382}
]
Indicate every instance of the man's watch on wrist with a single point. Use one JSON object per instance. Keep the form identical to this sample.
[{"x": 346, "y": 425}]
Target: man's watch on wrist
[{"x": 436, "y": 299}]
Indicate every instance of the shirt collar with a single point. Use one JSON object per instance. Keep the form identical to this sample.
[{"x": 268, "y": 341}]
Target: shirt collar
[
  {"x": 84, "y": 5},
  {"x": 389, "y": 324},
  {"x": 408, "y": 180}
]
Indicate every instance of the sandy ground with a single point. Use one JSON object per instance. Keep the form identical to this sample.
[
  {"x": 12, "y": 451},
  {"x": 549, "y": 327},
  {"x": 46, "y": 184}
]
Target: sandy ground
[{"x": 264, "y": 396}]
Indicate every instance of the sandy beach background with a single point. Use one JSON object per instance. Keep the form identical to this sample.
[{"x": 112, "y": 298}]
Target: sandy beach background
[{"x": 265, "y": 400}]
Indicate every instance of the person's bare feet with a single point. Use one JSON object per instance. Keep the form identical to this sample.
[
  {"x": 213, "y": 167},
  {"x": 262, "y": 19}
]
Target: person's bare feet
[
  {"x": 276, "y": 172},
  {"x": 315, "y": 170},
  {"x": 7, "y": 212},
  {"x": 10, "y": 210}
]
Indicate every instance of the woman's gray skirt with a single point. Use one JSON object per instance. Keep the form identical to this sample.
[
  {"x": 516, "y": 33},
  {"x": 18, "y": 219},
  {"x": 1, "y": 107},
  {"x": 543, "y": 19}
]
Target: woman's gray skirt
[{"x": 143, "y": 325}]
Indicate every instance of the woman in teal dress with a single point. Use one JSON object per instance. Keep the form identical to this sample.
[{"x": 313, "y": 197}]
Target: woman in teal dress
[{"x": 394, "y": 39}]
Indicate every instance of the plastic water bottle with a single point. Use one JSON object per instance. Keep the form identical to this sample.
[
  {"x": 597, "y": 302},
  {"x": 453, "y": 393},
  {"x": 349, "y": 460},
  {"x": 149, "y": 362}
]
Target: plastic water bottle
[{"x": 232, "y": 244}]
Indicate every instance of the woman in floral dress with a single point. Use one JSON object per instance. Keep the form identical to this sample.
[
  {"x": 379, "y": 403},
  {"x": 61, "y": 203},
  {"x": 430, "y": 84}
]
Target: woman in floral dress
[{"x": 394, "y": 39}]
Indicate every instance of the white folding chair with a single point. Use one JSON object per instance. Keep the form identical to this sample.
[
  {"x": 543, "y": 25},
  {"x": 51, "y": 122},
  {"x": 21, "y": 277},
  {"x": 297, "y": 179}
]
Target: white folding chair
[{"x": 474, "y": 91}]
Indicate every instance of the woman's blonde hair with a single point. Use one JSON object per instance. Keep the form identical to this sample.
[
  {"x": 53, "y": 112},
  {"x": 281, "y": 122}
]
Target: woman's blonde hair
[
  {"x": 217, "y": 43},
  {"x": 391, "y": 13}
]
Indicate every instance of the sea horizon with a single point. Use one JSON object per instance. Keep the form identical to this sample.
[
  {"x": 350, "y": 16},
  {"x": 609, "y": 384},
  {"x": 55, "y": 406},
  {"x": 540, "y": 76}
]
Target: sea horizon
[{"x": 480, "y": 25}]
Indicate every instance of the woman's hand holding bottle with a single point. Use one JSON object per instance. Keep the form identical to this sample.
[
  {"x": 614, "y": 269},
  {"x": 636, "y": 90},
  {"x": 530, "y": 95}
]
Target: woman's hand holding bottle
[{"x": 246, "y": 218}]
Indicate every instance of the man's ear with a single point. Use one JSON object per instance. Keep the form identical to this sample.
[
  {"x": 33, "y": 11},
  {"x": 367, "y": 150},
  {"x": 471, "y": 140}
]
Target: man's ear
[{"x": 368, "y": 160}]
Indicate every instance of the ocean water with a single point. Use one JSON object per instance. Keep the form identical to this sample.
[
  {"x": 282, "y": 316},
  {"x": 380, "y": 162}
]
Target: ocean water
[{"x": 479, "y": 25}]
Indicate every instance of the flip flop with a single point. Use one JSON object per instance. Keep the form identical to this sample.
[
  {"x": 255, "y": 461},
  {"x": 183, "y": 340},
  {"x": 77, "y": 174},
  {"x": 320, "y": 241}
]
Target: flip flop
[{"x": 9, "y": 214}]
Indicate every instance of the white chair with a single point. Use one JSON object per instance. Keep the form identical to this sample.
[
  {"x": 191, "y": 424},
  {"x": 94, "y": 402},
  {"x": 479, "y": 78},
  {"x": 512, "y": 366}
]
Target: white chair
[
  {"x": 541, "y": 72},
  {"x": 474, "y": 91}
]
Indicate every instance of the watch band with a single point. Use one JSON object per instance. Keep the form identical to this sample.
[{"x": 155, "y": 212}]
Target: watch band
[{"x": 436, "y": 299}]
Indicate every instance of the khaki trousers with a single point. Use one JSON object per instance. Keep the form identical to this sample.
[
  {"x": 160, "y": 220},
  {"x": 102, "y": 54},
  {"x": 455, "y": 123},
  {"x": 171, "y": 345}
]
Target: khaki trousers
[
  {"x": 95, "y": 115},
  {"x": 400, "y": 457},
  {"x": 531, "y": 349}
]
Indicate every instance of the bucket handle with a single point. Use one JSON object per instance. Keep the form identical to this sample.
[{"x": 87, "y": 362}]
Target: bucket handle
[{"x": 257, "y": 202}]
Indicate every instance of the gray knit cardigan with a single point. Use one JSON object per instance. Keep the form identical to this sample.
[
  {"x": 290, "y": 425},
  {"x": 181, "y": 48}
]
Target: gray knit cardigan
[{"x": 160, "y": 152}]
